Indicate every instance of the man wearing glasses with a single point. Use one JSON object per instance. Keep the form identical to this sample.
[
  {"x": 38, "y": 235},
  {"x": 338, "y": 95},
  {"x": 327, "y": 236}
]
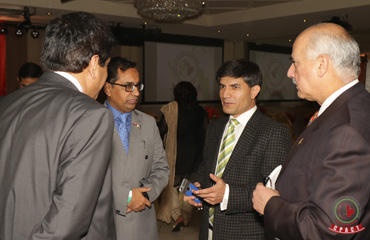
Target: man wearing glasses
[{"x": 139, "y": 163}]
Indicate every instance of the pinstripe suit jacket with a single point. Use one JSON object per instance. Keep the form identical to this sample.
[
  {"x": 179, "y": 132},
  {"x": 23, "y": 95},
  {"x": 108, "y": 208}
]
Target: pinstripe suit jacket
[
  {"x": 330, "y": 161},
  {"x": 262, "y": 146}
]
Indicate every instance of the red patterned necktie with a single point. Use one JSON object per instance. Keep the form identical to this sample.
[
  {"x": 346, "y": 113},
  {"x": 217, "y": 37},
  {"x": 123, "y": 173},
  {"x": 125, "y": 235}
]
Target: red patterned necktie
[{"x": 314, "y": 116}]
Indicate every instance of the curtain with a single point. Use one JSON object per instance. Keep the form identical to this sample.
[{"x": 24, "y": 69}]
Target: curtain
[{"x": 2, "y": 63}]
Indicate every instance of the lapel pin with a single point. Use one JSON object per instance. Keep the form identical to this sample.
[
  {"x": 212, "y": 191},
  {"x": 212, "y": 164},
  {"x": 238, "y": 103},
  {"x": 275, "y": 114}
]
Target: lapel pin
[
  {"x": 137, "y": 125},
  {"x": 300, "y": 141}
]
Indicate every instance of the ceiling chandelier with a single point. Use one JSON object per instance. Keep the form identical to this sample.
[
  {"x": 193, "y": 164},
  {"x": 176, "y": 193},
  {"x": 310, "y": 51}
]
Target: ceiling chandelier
[{"x": 168, "y": 10}]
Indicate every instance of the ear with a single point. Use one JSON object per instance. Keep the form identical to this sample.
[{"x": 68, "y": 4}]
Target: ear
[
  {"x": 108, "y": 89},
  {"x": 254, "y": 91},
  {"x": 323, "y": 64},
  {"x": 18, "y": 80},
  {"x": 93, "y": 66}
]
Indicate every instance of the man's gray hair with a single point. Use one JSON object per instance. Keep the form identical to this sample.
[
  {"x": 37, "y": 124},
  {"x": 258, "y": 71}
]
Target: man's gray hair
[{"x": 342, "y": 50}]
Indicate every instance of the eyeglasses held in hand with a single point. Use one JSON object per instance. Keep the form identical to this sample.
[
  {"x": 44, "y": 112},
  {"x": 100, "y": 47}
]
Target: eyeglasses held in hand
[{"x": 131, "y": 87}]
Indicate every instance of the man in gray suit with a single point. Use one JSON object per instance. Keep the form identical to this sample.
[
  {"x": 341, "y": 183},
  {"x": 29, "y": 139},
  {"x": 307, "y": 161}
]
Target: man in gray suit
[
  {"x": 56, "y": 140},
  {"x": 139, "y": 163},
  {"x": 234, "y": 163}
]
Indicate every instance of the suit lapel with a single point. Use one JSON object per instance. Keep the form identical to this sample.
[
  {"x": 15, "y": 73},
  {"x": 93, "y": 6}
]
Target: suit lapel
[
  {"x": 220, "y": 127},
  {"x": 245, "y": 141},
  {"x": 136, "y": 136},
  {"x": 344, "y": 97}
]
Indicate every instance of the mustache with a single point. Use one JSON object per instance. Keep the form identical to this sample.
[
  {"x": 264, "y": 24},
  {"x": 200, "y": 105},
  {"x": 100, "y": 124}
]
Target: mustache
[{"x": 294, "y": 81}]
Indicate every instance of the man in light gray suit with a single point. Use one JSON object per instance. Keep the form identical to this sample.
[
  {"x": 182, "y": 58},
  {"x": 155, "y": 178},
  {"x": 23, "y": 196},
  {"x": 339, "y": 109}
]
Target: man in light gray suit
[
  {"x": 56, "y": 140},
  {"x": 139, "y": 163}
]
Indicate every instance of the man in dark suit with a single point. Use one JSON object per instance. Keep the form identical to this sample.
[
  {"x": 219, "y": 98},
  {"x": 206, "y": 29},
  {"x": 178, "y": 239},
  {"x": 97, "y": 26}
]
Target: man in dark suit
[
  {"x": 139, "y": 165},
  {"x": 259, "y": 145},
  {"x": 324, "y": 184},
  {"x": 56, "y": 139}
]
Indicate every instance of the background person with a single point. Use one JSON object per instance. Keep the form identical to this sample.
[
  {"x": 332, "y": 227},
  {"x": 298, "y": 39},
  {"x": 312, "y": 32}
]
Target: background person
[
  {"x": 28, "y": 74},
  {"x": 240, "y": 150},
  {"x": 139, "y": 163},
  {"x": 324, "y": 183},
  {"x": 183, "y": 126},
  {"x": 56, "y": 139}
]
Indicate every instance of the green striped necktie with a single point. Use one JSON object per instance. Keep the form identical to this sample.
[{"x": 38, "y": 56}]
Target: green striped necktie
[{"x": 224, "y": 156}]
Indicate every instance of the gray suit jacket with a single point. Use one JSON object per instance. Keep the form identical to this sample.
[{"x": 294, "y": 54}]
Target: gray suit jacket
[
  {"x": 330, "y": 161},
  {"x": 262, "y": 146},
  {"x": 54, "y": 155},
  {"x": 146, "y": 164}
]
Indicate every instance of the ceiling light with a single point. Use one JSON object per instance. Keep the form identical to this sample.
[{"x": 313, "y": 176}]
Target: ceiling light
[
  {"x": 168, "y": 10},
  {"x": 35, "y": 33},
  {"x": 218, "y": 31},
  {"x": 247, "y": 35},
  {"x": 18, "y": 32},
  {"x": 3, "y": 29}
]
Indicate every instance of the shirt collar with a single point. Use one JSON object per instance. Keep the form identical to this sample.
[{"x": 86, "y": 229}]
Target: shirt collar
[
  {"x": 335, "y": 95},
  {"x": 72, "y": 79},
  {"x": 244, "y": 117},
  {"x": 116, "y": 113}
]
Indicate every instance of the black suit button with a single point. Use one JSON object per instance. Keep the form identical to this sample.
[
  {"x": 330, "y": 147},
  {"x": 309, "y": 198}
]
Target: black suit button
[{"x": 146, "y": 156}]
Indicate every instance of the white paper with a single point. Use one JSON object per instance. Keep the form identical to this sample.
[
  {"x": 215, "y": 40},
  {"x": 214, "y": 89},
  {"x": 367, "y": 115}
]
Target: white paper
[{"x": 273, "y": 177}]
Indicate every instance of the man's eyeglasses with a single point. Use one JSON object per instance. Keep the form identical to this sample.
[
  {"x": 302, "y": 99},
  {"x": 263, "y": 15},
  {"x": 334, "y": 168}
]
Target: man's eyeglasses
[{"x": 131, "y": 87}]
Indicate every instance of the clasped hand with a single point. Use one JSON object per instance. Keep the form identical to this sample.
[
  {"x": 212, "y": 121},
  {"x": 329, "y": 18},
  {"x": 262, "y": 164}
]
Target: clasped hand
[
  {"x": 138, "y": 202},
  {"x": 212, "y": 195}
]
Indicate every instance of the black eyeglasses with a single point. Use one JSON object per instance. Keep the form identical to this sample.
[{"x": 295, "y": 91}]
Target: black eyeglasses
[{"x": 131, "y": 87}]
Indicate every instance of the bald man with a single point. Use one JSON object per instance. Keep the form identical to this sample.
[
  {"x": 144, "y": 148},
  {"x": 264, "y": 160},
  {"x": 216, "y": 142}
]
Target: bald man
[{"x": 323, "y": 188}]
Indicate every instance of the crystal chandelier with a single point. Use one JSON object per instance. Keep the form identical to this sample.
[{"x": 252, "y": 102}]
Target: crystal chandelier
[{"x": 168, "y": 10}]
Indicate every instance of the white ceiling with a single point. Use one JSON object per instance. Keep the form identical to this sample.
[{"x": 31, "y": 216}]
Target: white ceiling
[{"x": 266, "y": 21}]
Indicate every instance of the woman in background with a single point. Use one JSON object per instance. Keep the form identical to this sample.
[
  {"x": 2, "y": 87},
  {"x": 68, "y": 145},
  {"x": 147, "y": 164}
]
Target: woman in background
[{"x": 182, "y": 127}]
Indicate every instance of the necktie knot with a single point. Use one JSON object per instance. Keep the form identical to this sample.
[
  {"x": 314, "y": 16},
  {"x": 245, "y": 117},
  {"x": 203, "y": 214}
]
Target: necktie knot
[{"x": 234, "y": 122}]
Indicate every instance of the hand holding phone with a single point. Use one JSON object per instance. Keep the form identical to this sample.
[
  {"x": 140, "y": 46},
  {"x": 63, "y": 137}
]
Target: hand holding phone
[{"x": 186, "y": 188}]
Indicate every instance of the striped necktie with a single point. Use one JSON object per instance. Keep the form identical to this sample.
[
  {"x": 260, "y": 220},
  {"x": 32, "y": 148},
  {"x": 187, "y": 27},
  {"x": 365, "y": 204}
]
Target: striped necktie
[
  {"x": 226, "y": 149},
  {"x": 314, "y": 116}
]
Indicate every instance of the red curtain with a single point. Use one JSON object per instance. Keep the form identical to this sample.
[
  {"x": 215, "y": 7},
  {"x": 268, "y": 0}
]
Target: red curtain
[{"x": 2, "y": 64}]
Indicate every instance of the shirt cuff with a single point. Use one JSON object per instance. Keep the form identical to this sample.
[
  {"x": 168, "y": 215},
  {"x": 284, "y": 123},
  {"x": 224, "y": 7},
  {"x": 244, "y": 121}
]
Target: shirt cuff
[{"x": 225, "y": 200}]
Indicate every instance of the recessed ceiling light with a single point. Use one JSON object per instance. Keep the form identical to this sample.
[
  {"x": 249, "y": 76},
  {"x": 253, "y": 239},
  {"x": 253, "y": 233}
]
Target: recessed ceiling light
[
  {"x": 290, "y": 40},
  {"x": 49, "y": 13},
  {"x": 304, "y": 20},
  {"x": 218, "y": 31},
  {"x": 247, "y": 34}
]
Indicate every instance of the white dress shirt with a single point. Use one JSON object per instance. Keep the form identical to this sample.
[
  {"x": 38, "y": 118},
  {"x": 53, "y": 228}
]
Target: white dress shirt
[
  {"x": 334, "y": 96},
  {"x": 72, "y": 79}
]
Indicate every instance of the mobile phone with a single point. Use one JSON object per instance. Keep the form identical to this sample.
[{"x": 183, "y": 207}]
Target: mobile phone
[{"x": 186, "y": 188}]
